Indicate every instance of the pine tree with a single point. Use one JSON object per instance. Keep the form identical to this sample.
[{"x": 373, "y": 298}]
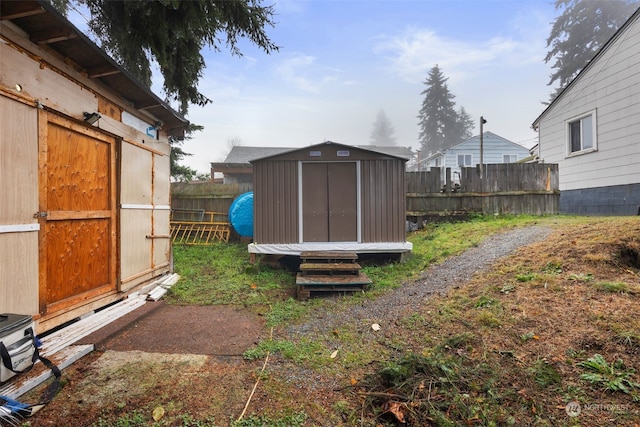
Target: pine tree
[
  {"x": 173, "y": 33},
  {"x": 464, "y": 124},
  {"x": 441, "y": 126},
  {"x": 383, "y": 130},
  {"x": 579, "y": 32}
]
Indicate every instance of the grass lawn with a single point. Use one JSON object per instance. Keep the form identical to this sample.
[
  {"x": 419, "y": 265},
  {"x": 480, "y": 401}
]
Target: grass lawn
[
  {"x": 551, "y": 326},
  {"x": 549, "y": 336}
]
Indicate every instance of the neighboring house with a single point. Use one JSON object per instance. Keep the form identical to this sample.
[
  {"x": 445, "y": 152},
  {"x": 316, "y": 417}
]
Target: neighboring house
[
  {"x": 237, "y": 167},
  {"x": 592, "y": 130},
  {"x": 495, "y": 149},
  {"x": 329, "y": 197},
  {"x": 84, "y": 169}
]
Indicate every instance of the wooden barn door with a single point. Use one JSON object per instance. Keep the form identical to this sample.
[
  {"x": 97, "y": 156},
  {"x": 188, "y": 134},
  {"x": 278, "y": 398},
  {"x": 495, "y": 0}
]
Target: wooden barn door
[
  {"x": 329, "y": 202},
  {"x": 77, "y": 213}
]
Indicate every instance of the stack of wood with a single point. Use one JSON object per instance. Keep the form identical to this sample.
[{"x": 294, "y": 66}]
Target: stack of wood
[{"x": 329, "y": 271}]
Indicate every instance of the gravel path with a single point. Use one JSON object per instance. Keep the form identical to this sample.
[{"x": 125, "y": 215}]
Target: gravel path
[{"x": 439, "y": 278}]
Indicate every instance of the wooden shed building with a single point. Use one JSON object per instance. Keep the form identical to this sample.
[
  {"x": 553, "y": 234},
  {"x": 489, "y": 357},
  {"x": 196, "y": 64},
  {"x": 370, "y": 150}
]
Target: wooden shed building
[
  {"x": 329, "y": 197},
  {"x": 84, "y": 171}
]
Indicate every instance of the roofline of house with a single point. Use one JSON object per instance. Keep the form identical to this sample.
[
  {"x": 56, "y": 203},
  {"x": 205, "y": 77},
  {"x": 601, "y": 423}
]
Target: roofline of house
[
  {"x": 172, "y": 120},
  {"x": 593, "y": 60}
]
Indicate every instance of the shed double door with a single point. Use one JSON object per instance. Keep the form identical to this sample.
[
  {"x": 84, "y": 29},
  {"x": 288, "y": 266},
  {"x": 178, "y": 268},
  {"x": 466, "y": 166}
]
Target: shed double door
[
  {"x": 329, "y": 202},
  {"x": 77, "y": 214}
]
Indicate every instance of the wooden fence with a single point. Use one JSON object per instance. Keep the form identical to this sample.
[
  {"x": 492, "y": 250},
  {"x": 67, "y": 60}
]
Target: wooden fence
[
  {"x": 206, "y": 195},
  {"x": 510, "y": 188}
]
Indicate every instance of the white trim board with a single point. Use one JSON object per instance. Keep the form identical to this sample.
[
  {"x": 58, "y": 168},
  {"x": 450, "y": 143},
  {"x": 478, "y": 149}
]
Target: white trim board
[
  {"x": 148, "y": 207},
  {"x": 19, "y": 228}
]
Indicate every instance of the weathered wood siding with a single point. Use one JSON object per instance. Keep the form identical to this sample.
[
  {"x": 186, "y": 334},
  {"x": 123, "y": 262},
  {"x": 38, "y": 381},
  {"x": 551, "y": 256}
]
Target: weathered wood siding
[
  {"x": 18, "y": 227},
  {"x": 145, "y": 210},
  {"x": 512, "y": 188},
  {"x": 69, "y": 186},
  {"x": 206, "y": 196}
]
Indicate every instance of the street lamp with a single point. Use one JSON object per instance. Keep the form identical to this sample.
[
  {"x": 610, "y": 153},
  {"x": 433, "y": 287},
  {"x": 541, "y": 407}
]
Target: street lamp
[{"x": 482, "y": 122}]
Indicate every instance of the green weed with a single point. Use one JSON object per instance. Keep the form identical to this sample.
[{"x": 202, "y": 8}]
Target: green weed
[
  {"x": 485, "y": 301},
  {"x": 545, "y": 374},
  {"x": 302, "y": 351},
  {"x": 285, "y": 311},
  {"x": 293, "y": 420},
  {"x": 553, "y": 267},
  {"x": 581, "y": 277},
  {"x": 526, "y": 277},
  {"x": 612, "y": 287},
  {"x": 613, "y": 377}
]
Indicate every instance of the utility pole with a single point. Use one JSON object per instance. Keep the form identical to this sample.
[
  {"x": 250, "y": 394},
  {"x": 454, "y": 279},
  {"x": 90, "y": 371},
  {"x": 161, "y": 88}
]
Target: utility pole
[{"x": 482, "y": 122}]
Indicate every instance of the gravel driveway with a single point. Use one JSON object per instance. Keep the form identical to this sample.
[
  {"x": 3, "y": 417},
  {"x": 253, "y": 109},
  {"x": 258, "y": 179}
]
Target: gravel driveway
[{"x": 436, "y": 279}]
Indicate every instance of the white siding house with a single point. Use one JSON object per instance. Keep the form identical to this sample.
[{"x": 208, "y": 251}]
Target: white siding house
[
  {"x": 592, "y": 130},
  {"x": 495, "y": 149}
]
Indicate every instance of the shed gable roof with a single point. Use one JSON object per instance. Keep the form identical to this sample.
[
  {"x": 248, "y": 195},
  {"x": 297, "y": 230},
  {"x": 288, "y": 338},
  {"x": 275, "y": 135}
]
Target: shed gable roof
[
  {"x": 330, "y": 143},
  {"x": 46, "y": 26}
]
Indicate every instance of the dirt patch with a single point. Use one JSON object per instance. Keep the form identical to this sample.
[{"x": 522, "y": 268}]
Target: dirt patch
[
  {"x": 161, "y": 328},
  {"x": 182, "y": 355}
]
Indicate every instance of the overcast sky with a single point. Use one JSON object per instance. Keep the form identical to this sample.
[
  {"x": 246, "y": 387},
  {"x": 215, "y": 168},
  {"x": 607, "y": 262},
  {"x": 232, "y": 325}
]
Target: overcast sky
[{"x": 342, "y": 61}]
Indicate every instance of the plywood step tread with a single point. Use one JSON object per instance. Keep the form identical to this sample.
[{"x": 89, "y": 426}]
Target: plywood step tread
[
  {"x": 337, "y": 280},
  {"x": 328, "y": 255},
  {"x": 328, "y": 266}
]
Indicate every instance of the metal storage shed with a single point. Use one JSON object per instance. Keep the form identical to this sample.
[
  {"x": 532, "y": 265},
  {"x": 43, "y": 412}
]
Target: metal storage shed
[{"x": 329, "y": 197}]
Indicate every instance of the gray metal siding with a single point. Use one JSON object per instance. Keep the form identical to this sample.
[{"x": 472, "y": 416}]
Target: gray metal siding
[
  {"x": 275, "y": 199},
  {"x": 383, "y": 201}
]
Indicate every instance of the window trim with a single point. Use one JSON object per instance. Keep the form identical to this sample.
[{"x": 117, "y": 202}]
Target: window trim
[
  {"x": 464, "y": 164},
  {"x": 514, "y": 156},
  {"x": 594, "y": 139}
]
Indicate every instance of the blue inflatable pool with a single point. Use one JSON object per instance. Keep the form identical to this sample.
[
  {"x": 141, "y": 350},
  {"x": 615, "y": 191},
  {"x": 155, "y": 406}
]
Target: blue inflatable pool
[{"x": 241, "y": 214}]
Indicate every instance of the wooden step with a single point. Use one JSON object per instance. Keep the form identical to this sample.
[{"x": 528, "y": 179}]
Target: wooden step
[
  {"x": 336, "y": 283},
  {"x": 327, "y": 256},
  {"x": 337, "y": 280},
  {"x": 329, "y": 266}
]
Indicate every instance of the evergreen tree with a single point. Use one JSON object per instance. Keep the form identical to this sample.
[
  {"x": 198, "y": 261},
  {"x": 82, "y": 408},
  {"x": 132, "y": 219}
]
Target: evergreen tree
[
  {"x": 180, "y": 172},
  {"x": 441, "y": 126},
  {"x": 173, "y": 33},
  {"x": 464, "y": 124},
  {"x": 582, "y": 28},
  {"x": 383, "y": 130}
]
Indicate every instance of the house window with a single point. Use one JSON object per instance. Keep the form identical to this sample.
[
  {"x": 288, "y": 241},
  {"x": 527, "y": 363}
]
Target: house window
[
  {"x": 581, "y": 133},
  {"x": 437, "y": 162},
  {"x": 509, "y": 158},
  {"x": 464, "y": 159}
]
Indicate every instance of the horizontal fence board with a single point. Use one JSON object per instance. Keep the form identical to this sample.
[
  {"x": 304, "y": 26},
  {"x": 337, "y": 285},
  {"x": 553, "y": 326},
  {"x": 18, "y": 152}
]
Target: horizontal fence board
[{"x": 509, "y": 188}]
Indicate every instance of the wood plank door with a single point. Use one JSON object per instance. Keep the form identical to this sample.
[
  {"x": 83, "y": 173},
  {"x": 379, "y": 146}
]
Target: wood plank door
[
  {"x": 77, "y": 169},
  {"x": 329, "y": 202}
]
